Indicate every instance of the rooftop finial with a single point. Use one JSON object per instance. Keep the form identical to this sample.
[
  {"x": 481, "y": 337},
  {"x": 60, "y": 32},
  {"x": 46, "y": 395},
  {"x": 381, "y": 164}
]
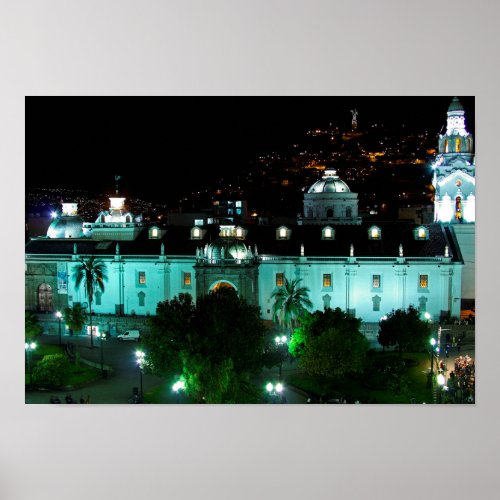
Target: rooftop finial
[
  {"x": 351, "y": 250},
  {"x": 117, "y": 178},
  {"x": 401, "y": 250},
  {"x": 118, "y": 249},
  {"x": 162, "y": 249}
]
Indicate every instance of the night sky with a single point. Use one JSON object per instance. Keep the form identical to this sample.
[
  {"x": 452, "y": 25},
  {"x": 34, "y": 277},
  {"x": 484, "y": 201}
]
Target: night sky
[{"x": 165, "y": 146}]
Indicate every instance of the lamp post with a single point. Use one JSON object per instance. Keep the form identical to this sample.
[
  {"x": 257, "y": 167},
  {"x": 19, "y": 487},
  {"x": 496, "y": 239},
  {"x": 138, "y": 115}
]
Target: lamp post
[
  {"x": 441, "y": 380},
  {"x": 139, "y": 356},
  {"x": 280, "y": 342},
  {"x": 177, "y": 387},
  {"x": 100, "y": 336},
  {"x": 431, "y": 375},
  {"x": 59, "y": 317},
  {"x": 29, "y": 347}
]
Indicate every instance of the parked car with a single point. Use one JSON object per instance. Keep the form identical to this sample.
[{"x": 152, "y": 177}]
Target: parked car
[{"x": 130, "y": 335}]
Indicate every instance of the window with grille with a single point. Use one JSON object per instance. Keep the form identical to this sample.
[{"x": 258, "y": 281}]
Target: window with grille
[
  {"x": 423, "y": 281},
  {"x": 142, "y": 278},
  {"x": 280, "y": 279},
  {"x": 376, "y": 281},
  {"x": 187, "y": 279},
  {"x": 327, "y": 280}
]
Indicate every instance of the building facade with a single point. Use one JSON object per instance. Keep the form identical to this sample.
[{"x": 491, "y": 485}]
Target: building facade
[{"x": 367, "y": 269}]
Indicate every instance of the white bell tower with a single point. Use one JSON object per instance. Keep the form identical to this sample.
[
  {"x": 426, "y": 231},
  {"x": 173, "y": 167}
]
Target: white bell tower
[{"x": 454, "y": 171}]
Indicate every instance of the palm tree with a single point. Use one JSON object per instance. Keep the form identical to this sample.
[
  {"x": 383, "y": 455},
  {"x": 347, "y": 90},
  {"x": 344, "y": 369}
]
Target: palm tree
[
  {"x": 75, "y": 317},
  {"x": 91, "y": 272},
  {"x": 290, "y": 302}
]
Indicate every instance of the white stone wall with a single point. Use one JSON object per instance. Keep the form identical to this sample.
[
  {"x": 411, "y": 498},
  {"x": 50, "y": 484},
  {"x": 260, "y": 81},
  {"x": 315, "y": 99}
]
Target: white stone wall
[{"x": 351, "y": 283}]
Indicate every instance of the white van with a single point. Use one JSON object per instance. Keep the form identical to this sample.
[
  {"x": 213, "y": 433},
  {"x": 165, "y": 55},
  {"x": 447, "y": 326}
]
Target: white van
[{"x": 130, "y": 335}]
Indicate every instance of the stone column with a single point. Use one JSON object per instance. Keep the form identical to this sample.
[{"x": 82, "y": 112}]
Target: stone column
[
  {"x": 400, "y": 272},
  {"x": 446, "y": 277},
  {"x": 350, "y": 274}
]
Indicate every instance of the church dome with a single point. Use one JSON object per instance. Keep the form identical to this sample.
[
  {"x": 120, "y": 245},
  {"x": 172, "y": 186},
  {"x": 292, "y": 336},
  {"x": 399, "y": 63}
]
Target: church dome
[
  {"x": 227, "y": 249},
  {"x": 455, "y": 105},
  {"x": 329, "y": 183},
  {"x": 66, "y": 227}
]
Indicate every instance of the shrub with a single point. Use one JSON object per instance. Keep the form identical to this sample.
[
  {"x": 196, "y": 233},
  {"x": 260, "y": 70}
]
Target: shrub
[{"x": 53, "y": 370}]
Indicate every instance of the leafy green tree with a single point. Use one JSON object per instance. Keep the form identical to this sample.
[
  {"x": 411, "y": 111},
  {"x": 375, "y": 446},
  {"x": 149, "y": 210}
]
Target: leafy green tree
[
  {"x": 216, "y": 346},
  {"x": 329, "y": 343},
  {"x": 290, "y": 303},
  {"x": 92, "y": 273},
  {"x": 75, "y": 317},
  {"x": 405, "y": 330},
  {"x": 52, "y": 370},
  {"x": 32, "y": 327}
]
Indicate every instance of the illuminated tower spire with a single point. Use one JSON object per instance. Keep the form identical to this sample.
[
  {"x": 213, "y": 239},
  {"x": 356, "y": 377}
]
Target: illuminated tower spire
[{"x": 454, "y": 171}]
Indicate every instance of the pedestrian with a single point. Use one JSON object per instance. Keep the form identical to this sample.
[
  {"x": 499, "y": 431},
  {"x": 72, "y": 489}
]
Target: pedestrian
[
  {"x": 82, "y": 401},
  {"x": 87, "y": 401},
  {"x": 68, "y": 399},
  {"x": 459, "y": 343}
]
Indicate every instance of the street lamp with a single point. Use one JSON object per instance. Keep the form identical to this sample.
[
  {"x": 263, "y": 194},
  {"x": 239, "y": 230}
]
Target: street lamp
[
  {"x": 29, "y": 347},
  {"x": 59, "y": 317},
  {"x": 431, "y": 375},
  {"x": 177, "y": 387},
  {"x": 101, "y": 337},
  {"x": 280, "y": 342},
  {"x": 441, "y": 380},
  {"x": 140, "y": 358}
]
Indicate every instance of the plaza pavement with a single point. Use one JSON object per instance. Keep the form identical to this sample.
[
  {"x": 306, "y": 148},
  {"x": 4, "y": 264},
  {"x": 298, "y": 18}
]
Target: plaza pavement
[{"x": 118, "y": 386}]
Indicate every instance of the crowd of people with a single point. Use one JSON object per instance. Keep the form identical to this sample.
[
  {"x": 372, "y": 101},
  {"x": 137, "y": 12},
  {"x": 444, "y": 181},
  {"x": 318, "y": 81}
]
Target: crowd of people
[{"x": 461, "y": 383}]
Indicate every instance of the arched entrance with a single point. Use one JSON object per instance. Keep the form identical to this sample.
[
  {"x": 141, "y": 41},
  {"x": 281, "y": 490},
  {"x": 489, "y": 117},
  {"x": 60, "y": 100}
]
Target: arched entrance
[
  {"x": 45, "y": 297},
  {"x": 218, "y": 285}
]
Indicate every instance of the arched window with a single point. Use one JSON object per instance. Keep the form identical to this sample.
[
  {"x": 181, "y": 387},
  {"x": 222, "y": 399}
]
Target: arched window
[
  {"x": 328, "y": 233},
  {"x": 329, "y": 213},
  {"x": 457, "y": 145},
  {"x": 374, "y": 233},
  {"x": 45, "y": 297},
  {"x": 348, "y": 212},
  {"x": 458, "y": 208},
  {"x": 103, "y": 219},
  {"x": 446, "y": 145},
  {"x": 469, "y": 144},
  {"x": 142, "y": 297},
  {"x": 421, "y": 233},
  {"x": 128, "y": 218}
]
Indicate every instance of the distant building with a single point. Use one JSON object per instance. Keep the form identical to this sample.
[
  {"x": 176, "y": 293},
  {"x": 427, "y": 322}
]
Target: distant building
[
  {"x": 330, "y": 201},
  {"x": 418, "y": 214}
]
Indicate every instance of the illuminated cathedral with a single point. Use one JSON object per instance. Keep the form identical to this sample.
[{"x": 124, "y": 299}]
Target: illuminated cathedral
[{"x": 365, "y": 268}]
